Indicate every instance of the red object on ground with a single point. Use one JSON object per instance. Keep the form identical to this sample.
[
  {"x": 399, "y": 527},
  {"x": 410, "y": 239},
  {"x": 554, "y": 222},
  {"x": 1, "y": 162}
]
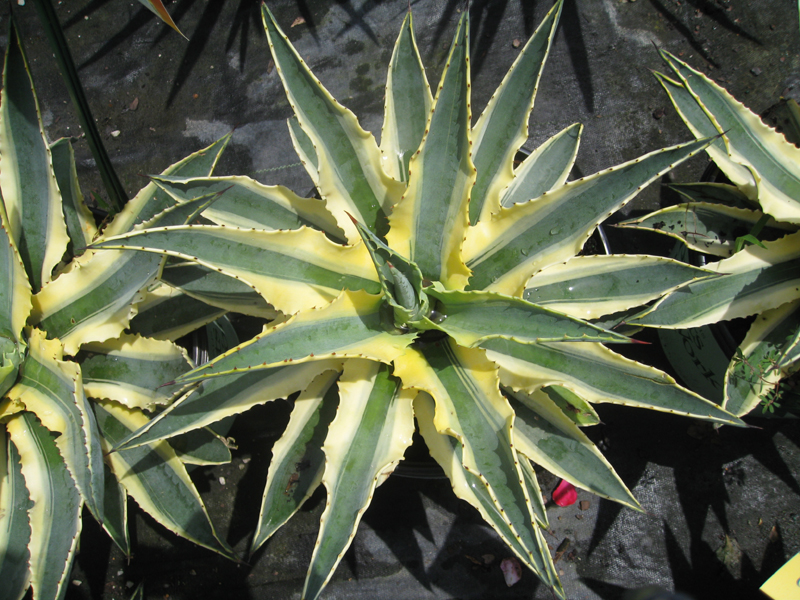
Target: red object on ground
[{"x": 565, "y": 494}]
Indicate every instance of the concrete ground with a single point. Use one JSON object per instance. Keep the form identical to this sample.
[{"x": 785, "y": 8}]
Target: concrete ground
[{"x": 722, "y": 508}]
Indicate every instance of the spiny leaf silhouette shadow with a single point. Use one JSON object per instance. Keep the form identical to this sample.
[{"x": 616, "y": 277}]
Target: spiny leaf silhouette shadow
[
  {"x": 710, "y": 10},
  {"x": 700, "y": 474}
]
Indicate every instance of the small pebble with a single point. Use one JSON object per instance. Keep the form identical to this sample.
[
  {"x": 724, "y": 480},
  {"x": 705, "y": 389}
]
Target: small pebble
[
  {"x": 76, "y": 582},
  {"x": 755, "y": 71},
  {"x": 222, "y": 481}
]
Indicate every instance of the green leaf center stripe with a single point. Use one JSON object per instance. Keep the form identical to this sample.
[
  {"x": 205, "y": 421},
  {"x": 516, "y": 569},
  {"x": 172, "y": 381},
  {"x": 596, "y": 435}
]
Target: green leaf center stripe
[
  {"x": 109, "y": 290},
  {"x": 446, "y": 168},
  {"x": 736, "y": 294},
  {"x": 271, "y": 254}
]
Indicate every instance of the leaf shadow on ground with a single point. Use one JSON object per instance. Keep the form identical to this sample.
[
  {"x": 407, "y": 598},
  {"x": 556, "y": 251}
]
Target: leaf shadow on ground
[{"x": 706, "y": 464}]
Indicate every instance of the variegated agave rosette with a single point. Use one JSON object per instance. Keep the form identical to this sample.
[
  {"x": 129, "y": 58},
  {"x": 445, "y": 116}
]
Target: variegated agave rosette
[
  {"x": 425, "y": 283},
  {"x": 63, "y": 338},
  {"x": 750, "y": 223}
]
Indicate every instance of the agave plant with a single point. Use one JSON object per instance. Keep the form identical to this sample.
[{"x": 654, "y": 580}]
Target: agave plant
[
  {"x": 431, "y": 280},
  {"x": 64, "y": 314},
  {"x": 751, "y": 224}
]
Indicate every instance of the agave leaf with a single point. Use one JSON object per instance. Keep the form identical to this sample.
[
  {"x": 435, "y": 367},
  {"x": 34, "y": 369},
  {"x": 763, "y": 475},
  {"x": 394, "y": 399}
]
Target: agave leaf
[
  {"x": 476, "y": 490},
  {"x": 545, "y": 169},
  {"x": 709, "y": 228},
  {"x": 51, "y": 388},
  {"x": 158, "y": 9},
  {"x": 52, "y": 491},
  {"x": 534, "y": 493},
  {"x": 130, "y": 369},
  {"x": 152, "y": 200},
  {"x": 548, "y": 437},
  {"x": 115, "y": 511},
  {"x": 293, "y": 270},
  {"x": 351, "y": 326},
  {"x": 588, "y": 287},
  {"x": 225, "y": 396},
  {"x": 715, "y": 193},
  {"x": 749, "y": 141},
  {"x": 79, "y": 220},
  {"x": 304, "y": 148},
  {"x": 407, "y": 104},
  {"x": 157, "y": 479},
  {"x": 202, "y": 446},
  {"x": 247, "y": 204},
  {"x": 401, "y": 279},
  {"x": 703, "y": 124},
  {"x": 578, "y": 410},
  {"x": 770, "y": 341},
  {"x": 473, "y": 317},
  {"x": 29, "y": 188},
  {"x": 216, "y": 289},
  {"x": 366, "y": 440},
  {"x": 428, "y": 224},
  {"x": 756, "y": 279},
  {"x": 599, "y": 375},
  {"x": 471, "y": 409},
  {"x": 15, "y": 532},
  {"x": 349, "y": 174},
  {"x": 295, "y": 470},
  {"x": 503, "y": 126},
  {"x": 93, "y": 301},
  {"x": 15, "y": 306},
  {"x": 166, "y": 313},
  {"x": 525, "y": 238}
]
